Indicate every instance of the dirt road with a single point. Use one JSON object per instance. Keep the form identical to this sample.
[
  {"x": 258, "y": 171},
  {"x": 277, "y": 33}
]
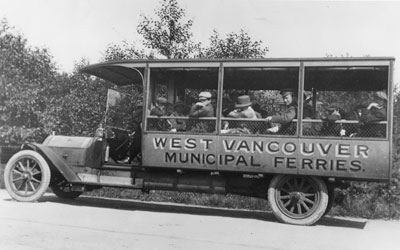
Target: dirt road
[{"x": 94, "y": 223}]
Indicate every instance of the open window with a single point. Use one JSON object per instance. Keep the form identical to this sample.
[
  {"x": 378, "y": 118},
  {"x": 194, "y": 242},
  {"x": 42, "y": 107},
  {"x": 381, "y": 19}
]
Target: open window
[
  {"x": 345, "y": 101},
  {"x": 257, "y": 89},
  {"x": 174, "y": 93}
]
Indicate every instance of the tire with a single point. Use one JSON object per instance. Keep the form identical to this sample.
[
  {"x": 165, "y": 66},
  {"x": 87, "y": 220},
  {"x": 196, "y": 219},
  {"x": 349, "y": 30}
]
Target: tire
[
  {"x": 27, "y": 176},
  {"x": 63, "y": 190},
  {"x": 331, "y": 199},
  {"x": 299, "y": 200}
]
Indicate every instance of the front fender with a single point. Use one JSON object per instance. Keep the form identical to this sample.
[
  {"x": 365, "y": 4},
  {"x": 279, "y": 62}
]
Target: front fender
[{"x": 54, "y": 161}]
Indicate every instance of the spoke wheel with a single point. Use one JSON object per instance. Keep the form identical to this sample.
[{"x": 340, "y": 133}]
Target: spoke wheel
[
  {"x": 27, "y": 176},
  {"x": 64, "y": 190},
  {"x": 331, "y": 200},
  {"x": 299, "y": 200}
]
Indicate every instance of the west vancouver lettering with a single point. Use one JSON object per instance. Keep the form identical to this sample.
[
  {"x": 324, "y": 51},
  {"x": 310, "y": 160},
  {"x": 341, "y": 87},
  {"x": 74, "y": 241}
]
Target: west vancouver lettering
[{"x": 313, "y": 156}]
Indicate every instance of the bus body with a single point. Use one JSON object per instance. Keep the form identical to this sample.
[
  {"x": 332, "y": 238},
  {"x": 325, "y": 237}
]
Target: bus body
[{"x": 296, "y": 167}]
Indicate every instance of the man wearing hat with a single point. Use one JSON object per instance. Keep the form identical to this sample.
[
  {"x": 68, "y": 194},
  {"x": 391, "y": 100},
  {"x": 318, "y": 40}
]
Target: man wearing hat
[
  {"x": 285, "y": 117},
  {"x": 179, "y": 111},
  {"x": 329, "y": 125},
  {"x": 375, "y": 112},
  {"x": 243, "y": 108},
  {"x": 203, "y": 107},
  {"x": 378, "y": 108},
  {"x": 160, "y": 109}
]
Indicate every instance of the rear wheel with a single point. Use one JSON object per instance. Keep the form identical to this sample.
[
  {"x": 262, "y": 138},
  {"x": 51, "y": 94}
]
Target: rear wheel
[
  {"x": 331, "y": 199},
  {"x": 62, "y": 189},
  {"x": 27, "y": 176},
  {"x": 299, "y": 200}
]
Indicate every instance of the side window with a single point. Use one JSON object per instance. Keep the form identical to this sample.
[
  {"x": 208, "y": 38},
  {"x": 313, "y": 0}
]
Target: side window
[
  {"x": 260, "y": 100},
  {"x": 345, "y": 102},
  {"x": 182, "y": 100}
]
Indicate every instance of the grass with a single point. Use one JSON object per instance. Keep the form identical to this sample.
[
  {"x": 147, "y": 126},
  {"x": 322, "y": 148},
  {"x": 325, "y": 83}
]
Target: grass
[
  {"x": 369, "y": 200},
  {"x": 359, "y": 199},
  {"x": 212, "y": 200}
]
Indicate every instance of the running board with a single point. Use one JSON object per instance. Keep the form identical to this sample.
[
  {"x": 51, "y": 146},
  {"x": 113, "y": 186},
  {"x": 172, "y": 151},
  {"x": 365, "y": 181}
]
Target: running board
[{"x": 92, "y": 179}]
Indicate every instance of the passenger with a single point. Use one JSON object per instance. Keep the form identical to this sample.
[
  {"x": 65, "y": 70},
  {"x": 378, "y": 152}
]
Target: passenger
[
  {"x": 178, "y": 111},
  {"x": 243, "y": 108},
  {"x": 308, "y": 111},
  {"x": 282, "y": 120},
  {"x": 260, "y": 112},
  {"x": 375, "y": 112},
  {"x": 203, "y": 108},
  {"x": 160, "y": 109},
  {"x": 329, "y": 125},
  {"x": 228, "y": 103},
  {"x": 353, "y": 130}
]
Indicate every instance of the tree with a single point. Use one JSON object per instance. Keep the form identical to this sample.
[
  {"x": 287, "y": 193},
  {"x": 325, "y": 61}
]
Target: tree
[
  {"x": 169, "y": 34},
  {"x": 76, "y": 105},
  {"x": 123, "y": 52},
  {"x": 235, "y": 45},
  {"x": 24, "y": 74}
]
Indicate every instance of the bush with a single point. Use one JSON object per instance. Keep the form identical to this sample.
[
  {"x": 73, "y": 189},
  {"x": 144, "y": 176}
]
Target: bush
[
  {"x": 369, "y": 200},
  {"x": 18, "y": 135}
]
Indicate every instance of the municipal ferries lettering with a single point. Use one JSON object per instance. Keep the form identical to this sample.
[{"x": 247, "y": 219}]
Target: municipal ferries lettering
[{"x": 312, "y": 156}]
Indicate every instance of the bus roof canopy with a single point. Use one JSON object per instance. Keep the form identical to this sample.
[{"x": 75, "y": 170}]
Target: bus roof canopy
[{"x": 367, "y": 73}]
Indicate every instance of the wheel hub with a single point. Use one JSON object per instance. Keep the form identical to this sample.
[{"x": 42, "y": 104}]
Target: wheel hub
[
  {"x": 295, "y": 197},
  {"x": 27, "y": 176}
]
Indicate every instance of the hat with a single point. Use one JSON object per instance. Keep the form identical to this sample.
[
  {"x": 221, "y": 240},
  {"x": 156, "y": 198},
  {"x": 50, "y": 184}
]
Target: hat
[
  {"x": 243, "y": 101},
  {"x": 162, "y": 100},
  {"x": 381, "y": 95},
  {"x": 205, "y": 95},
  {"x": 285, "y": 92}
]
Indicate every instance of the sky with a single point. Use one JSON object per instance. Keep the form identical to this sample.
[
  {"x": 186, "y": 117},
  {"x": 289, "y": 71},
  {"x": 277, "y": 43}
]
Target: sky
[{"x": 76, "y": 29}]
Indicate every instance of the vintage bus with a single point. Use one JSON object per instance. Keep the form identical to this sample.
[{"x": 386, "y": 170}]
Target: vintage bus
[{"x": 340, "y": 129}]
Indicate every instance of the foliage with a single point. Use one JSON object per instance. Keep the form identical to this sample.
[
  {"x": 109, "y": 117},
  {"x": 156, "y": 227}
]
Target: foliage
[
  {"x": 24, "y": 74},
  {"x": 76, "y": 105},
  {"x": 18, "y": 135},
  {"x": 120, "y": 113},
  {"x": 125, "y": 51},
  {"x": 369, "y": 200},
  {"x": 169, "y": 34},
  {"x": 235, "y": 45}
]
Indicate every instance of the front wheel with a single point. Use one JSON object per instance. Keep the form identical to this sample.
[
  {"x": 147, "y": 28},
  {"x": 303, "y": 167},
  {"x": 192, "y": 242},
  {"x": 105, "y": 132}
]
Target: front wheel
[
  {"x": 27, "y": 176},
  {"x": 299, "y": 200}
]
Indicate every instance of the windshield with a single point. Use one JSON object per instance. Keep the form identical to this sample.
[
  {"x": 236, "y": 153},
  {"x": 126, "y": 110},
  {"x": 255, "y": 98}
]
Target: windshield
[{"x": 120, "y": 109}]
